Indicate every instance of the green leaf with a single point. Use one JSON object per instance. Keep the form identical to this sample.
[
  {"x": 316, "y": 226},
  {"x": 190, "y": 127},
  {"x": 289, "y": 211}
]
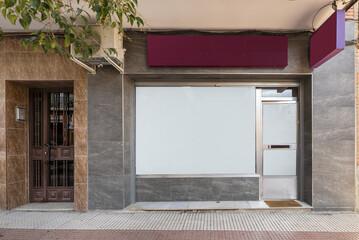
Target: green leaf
[
  {"x": 12, "y": 18},
  {"x": 67, "y": 41},
  {"x": 36, "y": 48},
  {"x": 53, "y": 44},
  {"x": 43, "y": 16},
  {"x": 4, "y": 12},
  {"x": 113, "y": 25},
  {"x": 45, "y": 5},
  {"x": 24, "y": 24},
  {"x": 10, "y": 3},
  {"x": 24, "y": 43},
  {"x": 26, "y": 17},
  {"x": 35, "y": 4},
  {"x": 97, "y": 8},
  {"x": 21, "y": 4}
]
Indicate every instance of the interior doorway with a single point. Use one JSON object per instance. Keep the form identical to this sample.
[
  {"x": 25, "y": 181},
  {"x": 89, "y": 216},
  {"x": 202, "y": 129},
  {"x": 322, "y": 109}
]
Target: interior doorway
[
  {"x": 277, "y": 142},
  {"x": 51, "y": 145}
]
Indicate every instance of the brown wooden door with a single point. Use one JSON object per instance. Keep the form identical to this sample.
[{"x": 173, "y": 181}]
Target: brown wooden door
[{"x": 51, "y": 146}]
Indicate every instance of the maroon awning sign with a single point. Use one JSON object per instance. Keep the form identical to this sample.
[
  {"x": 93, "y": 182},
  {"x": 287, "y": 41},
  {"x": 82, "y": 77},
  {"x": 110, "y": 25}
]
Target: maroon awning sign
[
  {"x": 328, "y": 40},
  {"x": 217, "y": 51}
]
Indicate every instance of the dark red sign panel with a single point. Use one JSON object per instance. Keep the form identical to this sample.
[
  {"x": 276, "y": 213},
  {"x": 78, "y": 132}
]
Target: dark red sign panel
[
  {"x": 217, "y": 51},
  {"x": 328, "y": 40}
]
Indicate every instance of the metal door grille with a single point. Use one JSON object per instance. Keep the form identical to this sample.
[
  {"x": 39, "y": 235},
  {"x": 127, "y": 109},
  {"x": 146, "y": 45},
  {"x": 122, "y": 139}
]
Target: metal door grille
[
  {"x": 37, "y": 165},
  {"x": 61, "y": 173},
  {"x": 37, "y": 119},
  {"x": 61, "y": 119}
]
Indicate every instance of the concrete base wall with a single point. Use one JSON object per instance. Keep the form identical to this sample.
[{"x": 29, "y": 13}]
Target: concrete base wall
[{"x": 197, "y": 189}]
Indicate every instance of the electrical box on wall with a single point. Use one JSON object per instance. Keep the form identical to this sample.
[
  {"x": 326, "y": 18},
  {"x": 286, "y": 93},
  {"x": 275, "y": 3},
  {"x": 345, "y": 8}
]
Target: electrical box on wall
[{"x": 20, "y": 114}]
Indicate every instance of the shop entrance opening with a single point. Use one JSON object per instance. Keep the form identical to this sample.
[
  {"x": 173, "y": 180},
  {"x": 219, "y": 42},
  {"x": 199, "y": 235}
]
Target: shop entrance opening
[
  {"x": 278, "y": 143},
  {"x": 51, "y": 146}
]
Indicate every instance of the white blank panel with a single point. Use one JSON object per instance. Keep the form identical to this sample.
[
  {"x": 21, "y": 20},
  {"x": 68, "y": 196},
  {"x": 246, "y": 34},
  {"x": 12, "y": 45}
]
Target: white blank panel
[
  {"x": 279, "y": 162},
  {"x": 195, "y": 130},
  {"x": 279, "y": 123}
]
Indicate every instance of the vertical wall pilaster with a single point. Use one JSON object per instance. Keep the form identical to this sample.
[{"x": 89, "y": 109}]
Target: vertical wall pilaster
[
  {"x": 3, "y": 195},
  {"x": 334, "y": 131},
  {"x": 80, "y": 163},
  {"x": 105, "y": 140},
  {"x": 17, "y": 151}
]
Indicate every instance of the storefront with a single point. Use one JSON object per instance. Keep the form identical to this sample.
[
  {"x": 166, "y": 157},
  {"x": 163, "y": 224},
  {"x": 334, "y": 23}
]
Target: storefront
[{"x": 198, "y": 130}]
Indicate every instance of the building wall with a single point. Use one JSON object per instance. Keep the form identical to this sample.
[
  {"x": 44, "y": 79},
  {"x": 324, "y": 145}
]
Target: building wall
[
  {"x": 197, "y": 189},
  {"x": 17, "y": 151},
  {"x": 105, "y": 141},
  {"x": 334, "y": 133},
  {"x": 332, "y": 93},
  {"x": 20, "y": 69},
  {"x": 353, "y": 13}
]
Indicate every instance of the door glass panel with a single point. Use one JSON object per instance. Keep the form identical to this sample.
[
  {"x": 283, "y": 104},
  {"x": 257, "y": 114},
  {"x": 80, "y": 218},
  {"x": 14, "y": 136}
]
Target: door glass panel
[
  {"x": 37, "y": 173},
  {"x": 61, "y": 173},
  {"x": 279, "y": 123},
  {"x": 61, "y": 119},
  {"x": 279, "y": 162},
  {"x": 37, "y": 119},
  {"x": 280, "y": 92},
  {"x": 61, "y": 128}
]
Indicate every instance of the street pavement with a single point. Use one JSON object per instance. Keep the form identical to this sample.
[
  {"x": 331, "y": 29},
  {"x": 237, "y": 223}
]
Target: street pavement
[{"x": 158, "y": 225}]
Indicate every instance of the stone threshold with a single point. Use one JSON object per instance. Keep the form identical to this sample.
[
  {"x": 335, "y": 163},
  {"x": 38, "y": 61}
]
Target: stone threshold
[
  {"x": 210, "y": 205},
  {"x": 46, "y": 207}
]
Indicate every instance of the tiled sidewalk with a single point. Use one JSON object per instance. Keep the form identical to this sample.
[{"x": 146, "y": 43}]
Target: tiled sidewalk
[{"x": 179, "y": 225}]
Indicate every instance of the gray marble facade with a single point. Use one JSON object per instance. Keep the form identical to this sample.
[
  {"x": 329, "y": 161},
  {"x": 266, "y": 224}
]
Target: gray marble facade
[
  {"x": 197, "y": 189},
  {"x": 105, "y": 145},
  {"x": 334, "y": 133},
  {"x": 328, "y": 143}
]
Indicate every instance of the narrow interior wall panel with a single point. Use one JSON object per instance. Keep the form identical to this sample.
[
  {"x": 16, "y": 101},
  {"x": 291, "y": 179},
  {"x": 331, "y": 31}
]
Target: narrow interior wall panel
[
  {"x": 217, "y": 51},
  {"x": 195, "y": 130}
]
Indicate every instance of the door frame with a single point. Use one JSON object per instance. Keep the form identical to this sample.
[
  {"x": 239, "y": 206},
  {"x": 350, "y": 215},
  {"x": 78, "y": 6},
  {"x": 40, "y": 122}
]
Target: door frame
[
  {"x": 259, "y": 135},
  {"x": 44, "y": 137}
]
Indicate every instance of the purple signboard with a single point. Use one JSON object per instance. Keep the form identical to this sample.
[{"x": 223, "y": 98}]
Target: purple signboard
[
  {"x": 217, "y": 51},
  {"x": 328, "y": 40}
]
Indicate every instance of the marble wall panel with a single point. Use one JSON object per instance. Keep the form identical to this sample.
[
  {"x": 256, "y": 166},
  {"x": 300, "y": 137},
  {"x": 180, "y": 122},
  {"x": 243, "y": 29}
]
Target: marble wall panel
[
  {"x": 334, "y": 133},
  {"x": 2, "y": 138},
  {"x": 3, "y": 167},
  {"x": 81, "y": 168},
  {"x": 81, "y": 146},
  {"x": 197, "y": 189},
  {"x": 326, "y": 196},
  {"x": 80, "y": 138},
  {"x": 16, "y": 146},
  {"x": 81, "y": 197},
  {"x": 2, "y": 62},
  {"x": 22, "y": 64},
  {"x": 3, "y": 197},
  {"x": 106, "y": 192},
  {"x": 16, "y": 168},
  {"x": 16, "y": 194},
  {"x": 105, "y": 140},
  {"x": 105, "y": 158}
]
